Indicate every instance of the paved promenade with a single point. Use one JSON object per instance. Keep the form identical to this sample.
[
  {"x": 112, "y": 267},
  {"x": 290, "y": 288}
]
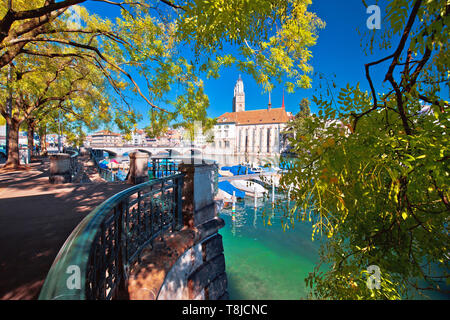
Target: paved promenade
[{"x": 35, "y": 220}]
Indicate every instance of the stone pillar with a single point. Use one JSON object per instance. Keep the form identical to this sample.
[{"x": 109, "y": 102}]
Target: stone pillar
[
  {"x": 261, "y": 140},
  {"x": 272, "y": 138},
  {"x": 138, "y": 168},
  {"x": 257, "y": 140},
  {"x": 239, "y": 146},
  {"x": 264, "y": 141},
  {"x": 60, "y": 168},
  {"x": 250, "y": 140},
  {"x": 276, "y": 139},
  {"x": 198, "y": 193},
  {"x": 242, "y": 144}
]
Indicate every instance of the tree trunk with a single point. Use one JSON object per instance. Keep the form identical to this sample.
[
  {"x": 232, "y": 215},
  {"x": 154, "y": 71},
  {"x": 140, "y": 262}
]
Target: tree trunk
[
  {"x": 13, "y": 161},
  {"x": 43, "y": 139},
  {"x": 30, "y": 136}
]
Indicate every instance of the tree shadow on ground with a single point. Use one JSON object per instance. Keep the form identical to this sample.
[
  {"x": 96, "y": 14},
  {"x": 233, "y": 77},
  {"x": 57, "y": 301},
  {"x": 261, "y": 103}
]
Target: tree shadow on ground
[{"x": 34, "y": 227}]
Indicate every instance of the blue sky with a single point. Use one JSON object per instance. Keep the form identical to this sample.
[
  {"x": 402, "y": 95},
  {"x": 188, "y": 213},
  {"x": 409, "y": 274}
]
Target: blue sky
[{"x": 338, "y": 55}]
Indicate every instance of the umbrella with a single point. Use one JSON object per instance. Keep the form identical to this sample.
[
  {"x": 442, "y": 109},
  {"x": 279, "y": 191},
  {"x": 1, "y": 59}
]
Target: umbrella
[{"x": 114, "y": 161}]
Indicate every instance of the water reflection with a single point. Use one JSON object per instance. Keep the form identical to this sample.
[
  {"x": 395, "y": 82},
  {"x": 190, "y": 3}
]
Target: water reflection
[{"x": 262, "y": 260}]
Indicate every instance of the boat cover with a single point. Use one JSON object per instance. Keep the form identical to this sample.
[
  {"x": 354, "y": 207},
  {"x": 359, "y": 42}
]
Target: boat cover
[
  {"x": 241, "y": 170},
  {"x": 229, "y": 188}
]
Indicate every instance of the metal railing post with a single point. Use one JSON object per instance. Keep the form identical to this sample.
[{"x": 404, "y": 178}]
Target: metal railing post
[
  {"x": 154, "y": 168},
  {"x": 179, "y": 202},
  {"x": 122, "y": 272}
]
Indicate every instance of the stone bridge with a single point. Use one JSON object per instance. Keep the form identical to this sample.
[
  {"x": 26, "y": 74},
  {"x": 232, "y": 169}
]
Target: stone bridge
[{"x": 153, "y": 151}]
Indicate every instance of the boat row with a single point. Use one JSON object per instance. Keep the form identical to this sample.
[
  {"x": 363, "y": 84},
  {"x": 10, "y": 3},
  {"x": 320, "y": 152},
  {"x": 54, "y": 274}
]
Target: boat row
[
  {"x": 241, "y": 170},
  {"x": 241, "y": 187}
]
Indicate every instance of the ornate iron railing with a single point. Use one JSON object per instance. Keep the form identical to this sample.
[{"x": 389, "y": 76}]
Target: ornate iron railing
[
  {"x": 111, "y": 238},
  {"x": 162, "y": 167}
]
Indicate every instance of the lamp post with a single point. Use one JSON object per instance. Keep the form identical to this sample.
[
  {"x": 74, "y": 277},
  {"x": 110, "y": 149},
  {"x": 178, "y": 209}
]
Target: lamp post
[
  {"x": 9, "y": 101},
  {"x": 8, "y": 109},
  {"x": 59, "y": 131}
]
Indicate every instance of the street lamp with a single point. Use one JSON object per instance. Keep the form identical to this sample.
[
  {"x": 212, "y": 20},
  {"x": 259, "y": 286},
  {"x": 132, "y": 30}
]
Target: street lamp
[
  {"x": 59, "y": 131},
  {"x": 8, "y": 109}
]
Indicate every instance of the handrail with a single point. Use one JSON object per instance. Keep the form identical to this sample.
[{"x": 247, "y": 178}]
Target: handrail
[
  {"x": 106, "y": 174},
  {"x": 101, "y": 248},
  {"x": 73, "y": 161}
]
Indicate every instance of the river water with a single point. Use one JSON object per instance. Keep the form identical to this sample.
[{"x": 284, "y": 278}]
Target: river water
[{"x": 263, "y": 261}]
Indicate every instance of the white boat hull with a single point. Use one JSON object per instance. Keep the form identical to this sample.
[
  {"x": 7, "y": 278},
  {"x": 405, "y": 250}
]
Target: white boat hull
[{"x": 249, "y": 187}]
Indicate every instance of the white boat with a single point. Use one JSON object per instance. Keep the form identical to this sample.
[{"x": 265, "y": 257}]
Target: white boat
[
  {"x": 273, "y": 179},
  {"x": 249, "y": 187},
  {"x": 225, "y": 196}
]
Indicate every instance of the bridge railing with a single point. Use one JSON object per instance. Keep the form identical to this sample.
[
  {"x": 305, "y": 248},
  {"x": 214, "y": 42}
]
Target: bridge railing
[
  {"x": 158, "y": 167},
  {"x": 94, "y": 261},
  {"x": 105, "y": 173},
  {"x": 74, "y": 167}
]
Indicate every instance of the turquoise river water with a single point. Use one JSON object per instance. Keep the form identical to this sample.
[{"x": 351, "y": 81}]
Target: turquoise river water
[
  {"x": 266, "y": 263},
  {"x": 262, "y": 261}
]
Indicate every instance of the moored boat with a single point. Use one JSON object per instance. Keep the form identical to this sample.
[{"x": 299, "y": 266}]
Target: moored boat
[{"x": 249, "y": 187}]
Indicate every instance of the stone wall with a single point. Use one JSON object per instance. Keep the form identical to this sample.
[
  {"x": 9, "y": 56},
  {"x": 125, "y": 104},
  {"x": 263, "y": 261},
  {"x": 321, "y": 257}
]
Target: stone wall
[
  {"x": 209, "y": 280},
  {"x": 60, "y": 171},
  {"x": 199, "y": 274}
]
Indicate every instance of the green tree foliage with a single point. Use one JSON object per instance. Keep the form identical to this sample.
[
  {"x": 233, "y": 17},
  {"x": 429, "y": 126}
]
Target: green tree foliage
[
  {"x": 305, "y": 110},
  {"x": 373, "y": 172},
  {"x": 297, "y": 127},
  {"x": 170, "y": 44},
  {"x": 44, "y": 89}
]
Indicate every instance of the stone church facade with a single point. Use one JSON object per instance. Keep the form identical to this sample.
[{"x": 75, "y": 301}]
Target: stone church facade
[{"x": 250, "y": 132}]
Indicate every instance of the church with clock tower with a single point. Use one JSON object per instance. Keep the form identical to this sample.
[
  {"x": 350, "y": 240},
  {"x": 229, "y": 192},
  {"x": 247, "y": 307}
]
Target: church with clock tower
[{"x": 253, "y": 132}]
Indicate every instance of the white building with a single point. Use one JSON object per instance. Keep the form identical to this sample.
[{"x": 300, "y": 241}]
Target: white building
[
  {"x": 138, "y": 138},
  {"x": 225, "y": 136},
  {"x": 250, "y": 132},
  {"x": 106, "y": 138}
]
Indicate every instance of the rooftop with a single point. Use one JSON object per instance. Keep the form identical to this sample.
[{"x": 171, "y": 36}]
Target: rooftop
[
  {"x": 264, "y": 116},
  {"x": 105, "y": 133}
]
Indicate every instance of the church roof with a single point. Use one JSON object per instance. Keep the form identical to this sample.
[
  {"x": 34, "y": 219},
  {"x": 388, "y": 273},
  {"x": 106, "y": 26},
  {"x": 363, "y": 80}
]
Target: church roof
[
  {"x": 264, "y": 116},
  {"x": 105, "y": 133}
]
